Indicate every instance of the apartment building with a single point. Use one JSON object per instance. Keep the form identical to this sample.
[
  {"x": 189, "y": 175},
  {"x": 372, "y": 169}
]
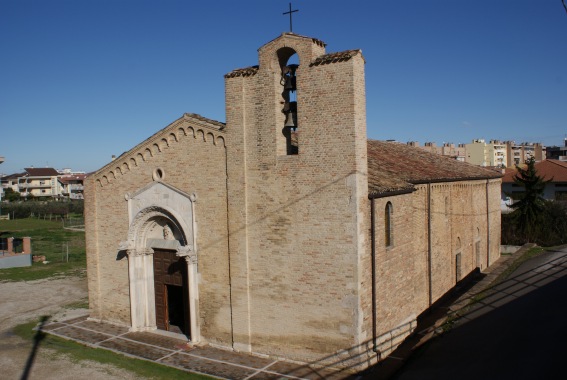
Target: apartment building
[
  {"x": 519, "y": 153},
  {"x": 40, "y": 182},
  {"x": 46, "y": 182},
  {"x": 557, "y": 152},
  {"x": 73, "y": 185},
  {"x": 493, "y": 153},
  {"x": 458, "y": 152}
]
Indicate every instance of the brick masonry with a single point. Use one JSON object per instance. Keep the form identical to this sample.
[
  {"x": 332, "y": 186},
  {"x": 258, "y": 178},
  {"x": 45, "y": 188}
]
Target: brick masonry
[{"x": 284, "y": 241}]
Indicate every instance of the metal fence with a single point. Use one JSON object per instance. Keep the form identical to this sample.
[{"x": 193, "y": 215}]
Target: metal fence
[
  {"x": 68, "y": 251},
  {"x": 75, "y": 223}
]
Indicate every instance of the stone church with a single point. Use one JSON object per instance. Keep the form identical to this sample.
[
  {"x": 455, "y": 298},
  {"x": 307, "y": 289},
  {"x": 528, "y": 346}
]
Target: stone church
[{"x": 285, "y": 231}]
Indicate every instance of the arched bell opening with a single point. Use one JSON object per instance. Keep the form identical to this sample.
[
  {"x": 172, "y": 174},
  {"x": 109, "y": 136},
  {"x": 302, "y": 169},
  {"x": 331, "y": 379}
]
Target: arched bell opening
[{"x": 289, "y": 65}]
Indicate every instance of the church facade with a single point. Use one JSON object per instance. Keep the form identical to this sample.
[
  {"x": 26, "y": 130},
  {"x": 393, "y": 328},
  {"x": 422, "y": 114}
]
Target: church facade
[{"x": 285, "y": 231}]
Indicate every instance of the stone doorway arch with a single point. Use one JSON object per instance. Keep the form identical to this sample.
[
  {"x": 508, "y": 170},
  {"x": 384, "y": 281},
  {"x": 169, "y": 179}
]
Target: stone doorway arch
[{"x": 161, "y": 219}]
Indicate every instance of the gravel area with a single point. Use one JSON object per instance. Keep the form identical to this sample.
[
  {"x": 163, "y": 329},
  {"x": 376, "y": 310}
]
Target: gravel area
[{"x": 25, "y": 301}]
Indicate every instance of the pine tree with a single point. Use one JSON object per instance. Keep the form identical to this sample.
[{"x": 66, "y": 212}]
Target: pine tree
[{"x": 530, "y": 205}]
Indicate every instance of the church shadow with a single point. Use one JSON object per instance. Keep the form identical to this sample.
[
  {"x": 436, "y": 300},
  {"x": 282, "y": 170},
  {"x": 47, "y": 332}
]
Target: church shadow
[
  {"x": 495, "y": 293},
  {"x": 515, "y": 332},
  {"x": 478, "y": 305},
  {"x": 37, "y": 338},
  {"x": 385, "y": 364}
]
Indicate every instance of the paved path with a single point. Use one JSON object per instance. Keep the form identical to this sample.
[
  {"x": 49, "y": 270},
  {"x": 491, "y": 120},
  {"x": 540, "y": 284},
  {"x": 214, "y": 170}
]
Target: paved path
[
  {"x": 518, "y": 332},
  {"x": 219, "y": 363}
]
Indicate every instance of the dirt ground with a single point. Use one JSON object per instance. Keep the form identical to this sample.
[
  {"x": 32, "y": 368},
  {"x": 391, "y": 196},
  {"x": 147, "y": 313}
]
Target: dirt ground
[{"x": 22, "y": 302}]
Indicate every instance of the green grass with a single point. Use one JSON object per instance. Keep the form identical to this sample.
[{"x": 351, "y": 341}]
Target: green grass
[
  {"x": 50, "y": 239},
  {"x": 77, "y": 353}
]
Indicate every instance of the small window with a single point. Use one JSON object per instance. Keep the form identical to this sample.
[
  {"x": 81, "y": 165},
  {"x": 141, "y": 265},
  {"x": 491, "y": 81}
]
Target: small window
[
  {"x": 158, "y": 174},
  {"x": 388, "y": 225}
]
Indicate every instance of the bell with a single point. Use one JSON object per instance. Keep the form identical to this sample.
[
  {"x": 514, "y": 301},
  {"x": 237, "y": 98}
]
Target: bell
[
  {"x": 289, "y": 83},
  {"x": 291, "y": 120}
]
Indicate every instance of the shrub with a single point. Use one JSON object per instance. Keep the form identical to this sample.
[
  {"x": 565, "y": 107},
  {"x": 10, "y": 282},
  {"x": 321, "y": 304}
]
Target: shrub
[
  {"x": 19, "y": 210},
  {"x": 550, "y": 230}
]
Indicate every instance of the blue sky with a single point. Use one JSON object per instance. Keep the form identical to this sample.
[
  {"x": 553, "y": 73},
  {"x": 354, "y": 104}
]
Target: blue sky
[{"x": 81, "y": 80}]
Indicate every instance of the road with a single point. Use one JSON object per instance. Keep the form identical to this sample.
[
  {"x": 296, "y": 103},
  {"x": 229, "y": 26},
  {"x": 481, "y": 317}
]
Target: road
[{"x": 519, "y": 332}]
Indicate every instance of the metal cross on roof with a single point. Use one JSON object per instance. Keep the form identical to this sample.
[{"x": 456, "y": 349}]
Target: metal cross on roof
[{"x": 290, "y": 12}]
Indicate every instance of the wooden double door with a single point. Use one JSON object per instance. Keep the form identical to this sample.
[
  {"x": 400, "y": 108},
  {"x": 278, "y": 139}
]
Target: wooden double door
[{"x": 171, "y": 292}]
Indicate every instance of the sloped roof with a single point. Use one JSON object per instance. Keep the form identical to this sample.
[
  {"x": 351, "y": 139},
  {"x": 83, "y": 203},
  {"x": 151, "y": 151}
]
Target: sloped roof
[
  {"x": 549, "y": 169},
  {"x": 244, "y": 72},
  {"x": 396, "y": 167},
  {"x": 321, "y": 60},
  {"x": 335, "y": 57},
  {"x": 316, "y": 41},
  {"x": 68, "y": 178},
  {"x": 12, "y": 176},
  {"x": 41, "y": 172}
]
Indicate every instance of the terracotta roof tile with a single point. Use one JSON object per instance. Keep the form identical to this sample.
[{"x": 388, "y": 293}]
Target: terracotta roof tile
[
  {"x": 73, "y": 177},
  {"x": 396, "y": 167},
  {"x": 41, "y": 172},
  {"x": 13, "y": 176},
  {"x": 316, "y": 41},
  {"x": 244, "y": 72},
  {"x": 335, "y": 57},
  {"x": 550, "y": 169}
]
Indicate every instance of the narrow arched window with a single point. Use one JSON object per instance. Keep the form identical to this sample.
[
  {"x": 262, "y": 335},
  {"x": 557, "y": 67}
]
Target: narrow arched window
[
  {"x": 458, "y": 269},
  {"x": 388, "y": 241}
]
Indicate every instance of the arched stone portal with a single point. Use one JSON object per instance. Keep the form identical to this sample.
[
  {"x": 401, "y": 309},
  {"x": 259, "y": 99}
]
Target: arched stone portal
[{"x": 162, "y": 230}]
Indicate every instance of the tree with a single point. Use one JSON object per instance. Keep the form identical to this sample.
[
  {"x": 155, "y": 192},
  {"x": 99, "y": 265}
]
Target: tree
[
  {"x": 11, "y": 195},
  {"x": 529, "y": 208}
]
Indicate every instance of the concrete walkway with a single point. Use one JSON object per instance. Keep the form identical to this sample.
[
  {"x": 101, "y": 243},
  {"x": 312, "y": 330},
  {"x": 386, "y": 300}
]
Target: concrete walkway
[{"x": 215, "y": 362}]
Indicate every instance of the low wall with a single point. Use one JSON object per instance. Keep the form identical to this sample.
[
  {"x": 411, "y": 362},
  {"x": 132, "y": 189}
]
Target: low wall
[
  {"x": 509, "y": 248},
  {"x": 15, "y": 260}
]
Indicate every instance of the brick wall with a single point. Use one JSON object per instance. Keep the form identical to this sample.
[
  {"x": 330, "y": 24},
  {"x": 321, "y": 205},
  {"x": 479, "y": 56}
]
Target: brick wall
[
  {"x": 459, "y": 221},
  {"x": 306, "y": 215},
  {"x": 192, "y": 157},
  {"x": 284, "y": 258}
]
